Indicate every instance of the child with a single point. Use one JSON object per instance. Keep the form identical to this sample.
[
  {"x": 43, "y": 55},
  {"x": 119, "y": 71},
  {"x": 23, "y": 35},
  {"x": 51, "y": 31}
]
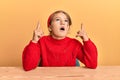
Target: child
[{"x": 57, "y": 49}]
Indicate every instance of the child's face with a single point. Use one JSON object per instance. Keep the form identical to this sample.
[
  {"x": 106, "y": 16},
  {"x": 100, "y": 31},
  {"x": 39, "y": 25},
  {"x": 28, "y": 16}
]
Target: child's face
[{"x": 59, "y": 26}]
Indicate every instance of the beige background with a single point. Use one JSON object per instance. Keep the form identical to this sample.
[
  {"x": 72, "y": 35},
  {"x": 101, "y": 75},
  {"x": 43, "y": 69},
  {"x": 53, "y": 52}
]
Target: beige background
[{"x": 18, "y": 19}]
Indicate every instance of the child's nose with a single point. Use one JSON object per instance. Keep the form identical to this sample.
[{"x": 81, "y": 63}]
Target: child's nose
[{"x": 62, "y": 22}]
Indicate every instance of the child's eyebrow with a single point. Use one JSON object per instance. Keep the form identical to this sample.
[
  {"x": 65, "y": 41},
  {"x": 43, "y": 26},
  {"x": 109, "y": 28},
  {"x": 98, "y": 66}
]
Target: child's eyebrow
[{"x": 57, "y": 17}]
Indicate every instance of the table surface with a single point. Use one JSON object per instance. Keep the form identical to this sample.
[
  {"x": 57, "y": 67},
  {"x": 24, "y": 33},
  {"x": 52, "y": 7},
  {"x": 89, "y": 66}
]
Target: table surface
[{"x": 61, "y": 73}]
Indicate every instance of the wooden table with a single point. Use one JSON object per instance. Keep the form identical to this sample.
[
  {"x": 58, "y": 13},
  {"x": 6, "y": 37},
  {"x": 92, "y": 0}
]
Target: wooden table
[{"x": 61, "y": 73}]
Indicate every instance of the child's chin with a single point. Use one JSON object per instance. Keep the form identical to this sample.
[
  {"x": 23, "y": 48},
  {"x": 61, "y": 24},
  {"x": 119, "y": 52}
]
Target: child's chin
[{"x": 63, "y": 36}]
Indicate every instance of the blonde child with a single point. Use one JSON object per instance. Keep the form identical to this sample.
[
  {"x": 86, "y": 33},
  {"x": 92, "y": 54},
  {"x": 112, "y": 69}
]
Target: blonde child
[{"x": 57, "y": 49}]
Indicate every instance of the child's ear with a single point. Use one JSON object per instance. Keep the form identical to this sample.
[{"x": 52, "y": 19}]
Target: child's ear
[{"x": 49, "y": 28}]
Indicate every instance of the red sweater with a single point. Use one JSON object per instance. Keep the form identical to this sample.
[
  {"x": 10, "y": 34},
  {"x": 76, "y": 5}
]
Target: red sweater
[{"x": 52, "y": 52}]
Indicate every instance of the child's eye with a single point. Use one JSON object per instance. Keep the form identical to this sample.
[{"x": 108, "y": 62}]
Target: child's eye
[
  {"x": 66, "y": 20},
  {"x": 57, "y": 19}
]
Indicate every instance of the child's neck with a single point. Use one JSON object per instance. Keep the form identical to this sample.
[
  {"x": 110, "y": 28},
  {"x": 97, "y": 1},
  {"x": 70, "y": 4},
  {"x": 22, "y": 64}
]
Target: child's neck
[{"x": 58, "y": 37}]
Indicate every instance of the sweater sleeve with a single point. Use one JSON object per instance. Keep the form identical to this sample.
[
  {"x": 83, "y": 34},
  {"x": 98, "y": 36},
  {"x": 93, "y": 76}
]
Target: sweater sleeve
[
  {"x": 31, "y": 56},
  {"x": 87, "y": 54}
]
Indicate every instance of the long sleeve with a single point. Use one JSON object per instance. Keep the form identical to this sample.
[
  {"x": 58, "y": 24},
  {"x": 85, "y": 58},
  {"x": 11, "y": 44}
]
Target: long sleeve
[
  {"x": 31, "y": 56},
  {"x": 89, "y": 54}
]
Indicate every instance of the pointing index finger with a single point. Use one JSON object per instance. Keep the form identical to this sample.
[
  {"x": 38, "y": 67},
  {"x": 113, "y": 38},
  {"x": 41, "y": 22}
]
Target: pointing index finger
[
  {"x": 38, "y": 26},
  {"x": 82, "y": 27}
]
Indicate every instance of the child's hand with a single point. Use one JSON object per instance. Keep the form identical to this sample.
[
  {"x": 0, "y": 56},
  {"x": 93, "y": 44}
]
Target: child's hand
[
  {"x": 37, "y": 34},
  {"x": 82, "y": 34}
]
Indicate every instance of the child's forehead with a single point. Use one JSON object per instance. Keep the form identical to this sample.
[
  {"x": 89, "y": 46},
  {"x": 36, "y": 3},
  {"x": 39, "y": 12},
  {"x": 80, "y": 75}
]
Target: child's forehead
[{"x": 59, "y": 15}]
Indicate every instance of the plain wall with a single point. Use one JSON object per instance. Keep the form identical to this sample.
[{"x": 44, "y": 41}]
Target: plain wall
[{"x": 18, "y": 19}]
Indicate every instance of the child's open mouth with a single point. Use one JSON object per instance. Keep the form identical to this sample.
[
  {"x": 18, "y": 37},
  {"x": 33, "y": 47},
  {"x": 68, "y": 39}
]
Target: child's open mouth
[{"x": 62, "y": 29}]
